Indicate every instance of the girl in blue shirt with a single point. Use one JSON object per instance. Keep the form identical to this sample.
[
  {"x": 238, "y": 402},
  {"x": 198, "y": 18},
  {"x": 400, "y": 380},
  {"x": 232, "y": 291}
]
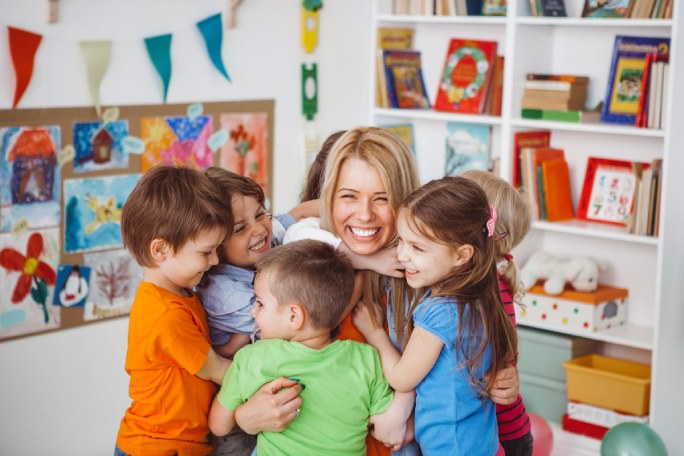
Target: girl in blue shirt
[{"x": 457, "y": 330}]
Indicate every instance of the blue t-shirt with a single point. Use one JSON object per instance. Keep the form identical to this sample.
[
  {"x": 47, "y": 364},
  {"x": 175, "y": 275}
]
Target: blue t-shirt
[
  {"x": 227, "y": 293},
  {"x": 450, "y": 418}
]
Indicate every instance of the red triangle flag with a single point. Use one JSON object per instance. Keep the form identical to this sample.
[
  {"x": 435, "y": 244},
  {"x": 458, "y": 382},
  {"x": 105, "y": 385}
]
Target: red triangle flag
[{"x": 23, "y": 46}]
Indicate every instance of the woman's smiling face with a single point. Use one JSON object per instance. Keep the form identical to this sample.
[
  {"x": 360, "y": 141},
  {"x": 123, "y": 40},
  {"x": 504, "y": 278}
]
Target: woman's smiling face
[{"x": 361, "y": 213}]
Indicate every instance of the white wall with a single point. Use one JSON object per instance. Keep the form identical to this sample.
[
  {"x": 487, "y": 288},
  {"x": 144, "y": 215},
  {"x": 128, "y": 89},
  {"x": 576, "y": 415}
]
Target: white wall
[{"x": 64, "y": 393}]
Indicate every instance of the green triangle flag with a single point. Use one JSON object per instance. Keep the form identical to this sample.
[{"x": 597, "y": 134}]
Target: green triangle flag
[
  {"x": 212, "y": 32},
  {"x": 159, "y": 50},
  {"x": 96, "y": 55}
]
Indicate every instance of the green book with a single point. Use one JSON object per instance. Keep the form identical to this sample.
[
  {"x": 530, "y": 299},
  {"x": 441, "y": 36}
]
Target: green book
[
  {"x": 562, "y": 116},
  {"x": 541, "y": 196}
]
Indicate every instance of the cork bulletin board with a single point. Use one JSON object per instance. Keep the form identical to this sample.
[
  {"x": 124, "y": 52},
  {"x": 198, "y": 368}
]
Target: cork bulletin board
[{"x": 62, "y": 263}]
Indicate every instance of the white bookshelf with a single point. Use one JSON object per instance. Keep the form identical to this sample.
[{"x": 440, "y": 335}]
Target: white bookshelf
[{"x": 652, "y": 268}]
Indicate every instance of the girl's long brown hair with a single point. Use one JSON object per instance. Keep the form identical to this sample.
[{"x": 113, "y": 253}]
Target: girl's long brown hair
[{"x": 454, "y": 211}]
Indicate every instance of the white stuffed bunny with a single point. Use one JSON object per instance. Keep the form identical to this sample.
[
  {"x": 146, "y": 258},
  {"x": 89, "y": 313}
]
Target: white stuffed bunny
[{"x": 581, "y": 272}]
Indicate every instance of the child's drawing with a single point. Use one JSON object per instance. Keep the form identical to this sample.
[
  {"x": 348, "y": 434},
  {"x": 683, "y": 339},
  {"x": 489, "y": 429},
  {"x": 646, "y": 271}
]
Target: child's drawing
[
  {"x": 176, "y": 141},
  {"x": 92, "y": 211},
  {"x": 114, "y": 279},
  {"x": 29, "y": 176},
  {"x": 99, "y": 146},
  {"x": 246, "y": 151},
  {"x": 72, "y": 285},
  {"x": 27, "y": 281}
]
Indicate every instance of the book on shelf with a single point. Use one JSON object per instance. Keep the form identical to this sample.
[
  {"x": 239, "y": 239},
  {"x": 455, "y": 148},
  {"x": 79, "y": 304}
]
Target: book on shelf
[
  {"x": 560, "y": 92},
  {"x": 572, "y": 78},
  {"x": 405, "y": 133},
  {"x": 526, "y": 139},
  {"x": 495, "y": 94},
  {"x": 466, "y": 76},
  {"x": 472, "y": 7},
  {"x": 405, "y": 84},
  {"x": 534, "y": 182},
  {"x": 608, "y": 9},
  {"x": 647, "y": 81},
  {"x": 536, "y": 102},
  {"x": 467, "y": 147},
  {"x": 494, "y": 7},
  {"x": 556, "y": 95},
  {"x": 624, "y": 86},
  {"x": 608, "y": 191},
  {"x": 397, "y": 38},
  {"x": 552, "y": 8},
  {"x": 576, "y": 116},
  {"x": 644, "y": 217},
  {"x": 556, "y": 191}
]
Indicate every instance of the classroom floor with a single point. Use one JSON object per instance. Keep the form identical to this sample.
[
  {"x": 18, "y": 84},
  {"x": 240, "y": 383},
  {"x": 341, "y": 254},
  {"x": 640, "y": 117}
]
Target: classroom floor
[{"x": 569, "y": 444}]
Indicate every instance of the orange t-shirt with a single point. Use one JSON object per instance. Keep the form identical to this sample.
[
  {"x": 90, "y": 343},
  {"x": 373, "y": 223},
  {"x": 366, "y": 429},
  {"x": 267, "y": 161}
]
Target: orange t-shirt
[
  {"x": 349, "y": 332},
  {"x": 168, "y": 342}
]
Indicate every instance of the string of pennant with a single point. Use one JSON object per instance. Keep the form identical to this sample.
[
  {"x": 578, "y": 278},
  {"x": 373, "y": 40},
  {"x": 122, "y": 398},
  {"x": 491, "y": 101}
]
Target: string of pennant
[{"x": 24, "y": 44}]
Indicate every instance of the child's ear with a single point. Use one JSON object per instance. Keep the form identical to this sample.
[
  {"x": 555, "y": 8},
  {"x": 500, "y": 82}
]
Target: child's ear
[
  {"x": 159, "y": 249},
  {"x": 297, "y": 316},
  {"x": 463, "y": 254}
]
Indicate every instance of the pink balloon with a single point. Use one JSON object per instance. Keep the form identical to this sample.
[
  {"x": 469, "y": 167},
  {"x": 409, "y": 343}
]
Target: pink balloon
[{"x": 543, "y": 436}]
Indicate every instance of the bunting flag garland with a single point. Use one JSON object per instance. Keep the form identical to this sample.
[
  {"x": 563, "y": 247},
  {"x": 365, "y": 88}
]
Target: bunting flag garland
[
  {"x": 212, "y": 32},
  {"x": 159, "y": 50},
  {"x": 96, "y": 54},
  {"x": 23, "y": 46}
]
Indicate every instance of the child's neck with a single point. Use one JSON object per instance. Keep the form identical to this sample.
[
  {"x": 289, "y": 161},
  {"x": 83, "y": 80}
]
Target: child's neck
[
  {"x": 314, "y": 339},
  {"x": 152, "y": 276}
]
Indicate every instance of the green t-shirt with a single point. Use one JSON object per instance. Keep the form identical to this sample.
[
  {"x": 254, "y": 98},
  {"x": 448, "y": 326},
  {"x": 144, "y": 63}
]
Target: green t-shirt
[{"x": 343, "y": 383}]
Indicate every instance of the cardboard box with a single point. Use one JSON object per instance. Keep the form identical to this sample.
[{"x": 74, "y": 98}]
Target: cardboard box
[
  {"x": 572, "y": 310},
  {"x": 610, "y": 383}
]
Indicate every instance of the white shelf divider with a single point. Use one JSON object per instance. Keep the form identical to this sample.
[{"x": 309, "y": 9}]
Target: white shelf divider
[
  {"x": 429, "y": 114},
  {"x": 628, "y": 335},
  {"x": 597, "y": 230},
  {"x": 602, "y": 128}
]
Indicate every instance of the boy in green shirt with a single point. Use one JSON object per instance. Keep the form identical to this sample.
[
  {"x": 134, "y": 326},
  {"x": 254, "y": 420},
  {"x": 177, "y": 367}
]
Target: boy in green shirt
[{"x": 302, "y": 289}]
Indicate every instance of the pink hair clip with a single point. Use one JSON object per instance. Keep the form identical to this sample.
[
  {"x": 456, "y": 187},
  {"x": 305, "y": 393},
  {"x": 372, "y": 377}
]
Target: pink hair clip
[{"x": 491, "y": 223}]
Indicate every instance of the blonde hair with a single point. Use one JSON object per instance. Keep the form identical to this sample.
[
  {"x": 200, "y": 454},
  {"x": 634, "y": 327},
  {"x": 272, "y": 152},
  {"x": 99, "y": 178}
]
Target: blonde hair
[
  {"x": 394, "y": 162},
  {"x": 512, "y": 225}
]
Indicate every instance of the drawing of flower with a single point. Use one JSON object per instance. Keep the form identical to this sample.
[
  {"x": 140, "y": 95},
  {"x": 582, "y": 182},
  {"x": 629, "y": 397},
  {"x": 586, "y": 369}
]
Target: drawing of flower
[{"x": 33, "y": 272}]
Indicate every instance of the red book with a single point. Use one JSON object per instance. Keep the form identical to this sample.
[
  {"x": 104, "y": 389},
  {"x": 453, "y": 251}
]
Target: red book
[
  {"x": 583, "y": 428},
  {"x": 521, "y": 139},
  {"x": 466, "y": 76},
  {"x": 642, "y": 111}
]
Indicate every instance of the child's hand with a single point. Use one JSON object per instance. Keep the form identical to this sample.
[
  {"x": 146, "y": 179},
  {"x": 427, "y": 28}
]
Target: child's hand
[
  {"x": 393, "y": 440},
  {"x": 364, "y": 322},
  {"x": 506, "y": 386},
  {"x": 383, "y": 262}
]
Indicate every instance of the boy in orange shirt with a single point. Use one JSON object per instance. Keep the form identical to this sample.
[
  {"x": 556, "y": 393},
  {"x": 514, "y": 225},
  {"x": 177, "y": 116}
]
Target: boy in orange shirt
[{"x": 172, "y": 223}]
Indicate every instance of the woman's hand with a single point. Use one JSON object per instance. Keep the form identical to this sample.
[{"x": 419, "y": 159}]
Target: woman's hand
[
  {"x": 506, "y": 386},
  {"x": 272, "y": 408},
  {"x": 364, "y": 322},
  {"x": 383, "y": 261}
]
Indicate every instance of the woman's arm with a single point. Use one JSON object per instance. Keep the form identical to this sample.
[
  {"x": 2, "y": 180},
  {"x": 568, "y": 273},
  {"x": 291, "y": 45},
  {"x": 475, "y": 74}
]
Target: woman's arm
[
  {"x": 236, "y": 342},
  {"x": 403, "y": 372},
  {"x": 306, "y": 209},
  {"x": 271, "y": 408}
]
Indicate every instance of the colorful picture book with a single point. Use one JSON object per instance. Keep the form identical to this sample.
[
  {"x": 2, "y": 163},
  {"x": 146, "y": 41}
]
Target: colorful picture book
[
  {"x": 625, "y": 80},
  {"x": 465, "y": 79},
  {"x": 467, "y": 147},
  {"x": 389, "y": 38},
  {"x": 608, "y": 191},
  {"x": 404, "y": 76},
  {"x": 608, "y": 8}
]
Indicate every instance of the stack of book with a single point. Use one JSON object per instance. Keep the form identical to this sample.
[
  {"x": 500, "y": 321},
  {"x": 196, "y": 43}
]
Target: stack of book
[
  {"x": 595, "y": 421},
  {"x": 651, "y": 112},
  {"x": 546, "y": 183},
  {"x": 559, "y": 97},
  {"x": 645, "y": 216}
]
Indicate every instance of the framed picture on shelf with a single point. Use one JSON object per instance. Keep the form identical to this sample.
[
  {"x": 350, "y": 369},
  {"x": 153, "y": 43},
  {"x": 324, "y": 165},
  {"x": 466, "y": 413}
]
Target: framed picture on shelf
[{"x": 608, "y": 191}]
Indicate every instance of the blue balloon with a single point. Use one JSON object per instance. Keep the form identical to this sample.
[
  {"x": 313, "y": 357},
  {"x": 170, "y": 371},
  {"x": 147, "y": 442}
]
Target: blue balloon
[{"x": 632, "y": 439}]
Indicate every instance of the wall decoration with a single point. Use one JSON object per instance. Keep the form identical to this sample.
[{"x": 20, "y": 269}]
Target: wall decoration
[
  {"x": 71, "y": 270},
  {"x": 177, "y": 140},
  {"x": 92, "y": 212},
  {"x": 247, "y": 153},
  {"x": 29, "y": 176},
  {"x": 72, "y": 285},
  {"x": 27, "y": 280},
  {"x": 114, "y": 280},
  {"x": 99, "y": 146}
]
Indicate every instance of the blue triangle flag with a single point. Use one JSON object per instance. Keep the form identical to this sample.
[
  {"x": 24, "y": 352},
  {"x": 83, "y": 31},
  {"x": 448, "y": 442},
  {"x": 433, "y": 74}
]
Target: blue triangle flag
[
  {"x": 212, "y": 32},
  {"x": 159, "y": 50}
]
